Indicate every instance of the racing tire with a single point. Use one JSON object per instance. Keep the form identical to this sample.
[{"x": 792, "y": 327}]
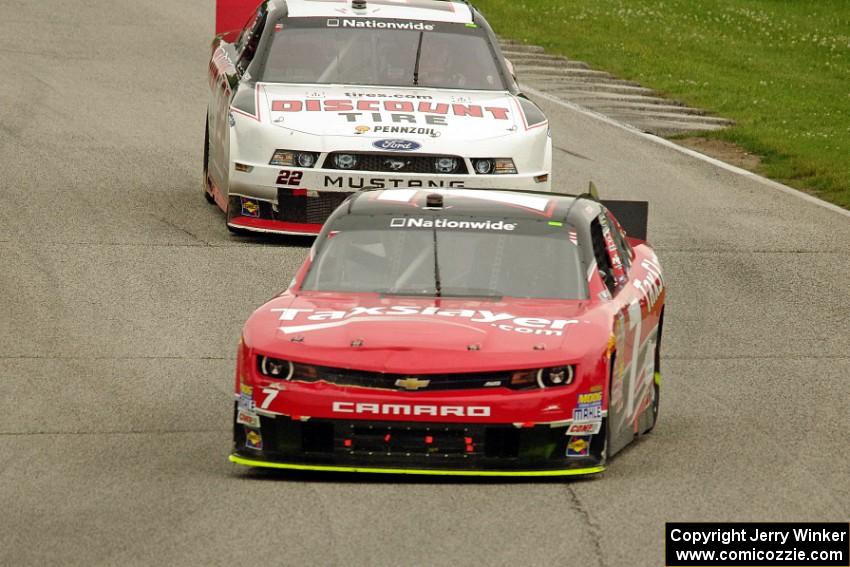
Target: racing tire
[
  {"x": 207, "y": 195},
  {"x": 656, "y": 381},
  {"x": 607, "y": 427}
]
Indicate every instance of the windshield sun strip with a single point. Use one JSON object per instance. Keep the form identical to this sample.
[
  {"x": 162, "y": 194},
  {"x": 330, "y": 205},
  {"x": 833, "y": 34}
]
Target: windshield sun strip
[{"x": 260, "y": 60}]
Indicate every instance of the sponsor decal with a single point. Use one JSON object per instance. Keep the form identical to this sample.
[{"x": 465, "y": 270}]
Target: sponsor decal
[
  {"x": 588, "y": 408},
  {"x": 396, "y": 145},
  {"x": 397, "y": 110},
  {"x": 592, "y": 398},
  {"x": 449, "y": 223},
  {"x": 361, "y": 130},
  {"x": 589, "y": 428},
  {"x": 530, "y": 202},
  {"x": 578, "y": 447},
  {"x": 312, "y": 320},
  {"x": 249, "y": 418},
  {"x": 593, "y": 413},
  {"x": 385, "y": 95},
  {"x": 408, "y": 130},
  {"x": 356, "y": 182},
  {"x": 429, "y": 4},
  {"x": 652, "y": 285},
  {"x": 253, "y": 440},
  {"x": 378, "y": 24},
  {"x": 246, "y": 398},
  {"x": 250, "y": 208},
  {"x": 366, "y": 408}
]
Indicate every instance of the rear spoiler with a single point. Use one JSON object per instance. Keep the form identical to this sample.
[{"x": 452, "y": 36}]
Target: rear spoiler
[
  {"x": 633, "y": 216},
  {"x": 232, "y": 15}
]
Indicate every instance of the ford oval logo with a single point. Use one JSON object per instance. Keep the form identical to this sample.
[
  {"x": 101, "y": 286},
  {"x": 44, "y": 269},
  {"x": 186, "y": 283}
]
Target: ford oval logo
[{"x": 397, "y": 145}]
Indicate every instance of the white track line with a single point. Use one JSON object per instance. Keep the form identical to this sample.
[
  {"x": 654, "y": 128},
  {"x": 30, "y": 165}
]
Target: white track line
[{"x": 686, "y": 151}]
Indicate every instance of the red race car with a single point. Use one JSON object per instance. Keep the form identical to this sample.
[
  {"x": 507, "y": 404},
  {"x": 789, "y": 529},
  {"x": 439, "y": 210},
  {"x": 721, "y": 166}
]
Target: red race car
[{"x": 460, "y": 332}]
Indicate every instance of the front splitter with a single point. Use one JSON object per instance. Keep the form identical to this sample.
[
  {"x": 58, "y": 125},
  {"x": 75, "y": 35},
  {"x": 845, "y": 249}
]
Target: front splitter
[{"x": 431, "y": 472}]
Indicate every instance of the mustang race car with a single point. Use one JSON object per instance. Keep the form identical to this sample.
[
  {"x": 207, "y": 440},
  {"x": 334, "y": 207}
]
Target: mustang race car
[
  {"x": 315, "y": 99},
  {"x": 465, "y": 332}
]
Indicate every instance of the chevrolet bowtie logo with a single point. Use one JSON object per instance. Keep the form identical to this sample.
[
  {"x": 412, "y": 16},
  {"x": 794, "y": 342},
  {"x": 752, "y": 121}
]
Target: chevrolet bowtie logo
[{"x": 412, "y": 383}]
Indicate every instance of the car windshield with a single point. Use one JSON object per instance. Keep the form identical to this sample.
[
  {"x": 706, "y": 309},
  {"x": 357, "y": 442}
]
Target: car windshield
[
  {"x": 450, "y": 56},
  {"x": 531, "y": 260}
]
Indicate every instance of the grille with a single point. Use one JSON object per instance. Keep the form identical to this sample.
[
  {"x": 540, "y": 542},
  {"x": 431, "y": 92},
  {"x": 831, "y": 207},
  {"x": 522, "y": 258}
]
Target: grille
[
  {"x": 304, "y": 209},
  {"x": 403, "y": 382},
  {"x": 420, "y": 439},
  {"x": 411, "y": 163},
  {"x": 390, "y": 443},
  {"x": 412, "y": 440}
]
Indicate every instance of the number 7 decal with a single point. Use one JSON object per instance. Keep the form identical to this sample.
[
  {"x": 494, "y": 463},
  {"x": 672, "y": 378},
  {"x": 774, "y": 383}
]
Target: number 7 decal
[{"x": 270, "y": 396}]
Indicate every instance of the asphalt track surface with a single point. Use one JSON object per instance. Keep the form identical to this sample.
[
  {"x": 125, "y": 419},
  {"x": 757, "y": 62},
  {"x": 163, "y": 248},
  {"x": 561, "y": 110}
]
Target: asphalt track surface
[{"x": 123, "y": 296}]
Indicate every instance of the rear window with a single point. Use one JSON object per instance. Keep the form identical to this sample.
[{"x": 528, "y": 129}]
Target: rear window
[
  {"x": 449, "y": 56},
  {"x": 470, "y": 257}
]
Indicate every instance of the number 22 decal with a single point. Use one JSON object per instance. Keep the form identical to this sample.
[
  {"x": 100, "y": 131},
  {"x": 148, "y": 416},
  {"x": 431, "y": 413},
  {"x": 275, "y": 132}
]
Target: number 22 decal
[{"x": 286, "y": 177}]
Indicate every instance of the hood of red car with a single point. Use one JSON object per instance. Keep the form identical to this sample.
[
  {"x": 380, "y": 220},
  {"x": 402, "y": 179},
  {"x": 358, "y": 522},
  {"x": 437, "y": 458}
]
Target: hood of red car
[{"x": 424, "y": 335}]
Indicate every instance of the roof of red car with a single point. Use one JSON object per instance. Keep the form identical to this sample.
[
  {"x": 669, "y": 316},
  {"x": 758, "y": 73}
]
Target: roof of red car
[{"x": 469, "y": 202}]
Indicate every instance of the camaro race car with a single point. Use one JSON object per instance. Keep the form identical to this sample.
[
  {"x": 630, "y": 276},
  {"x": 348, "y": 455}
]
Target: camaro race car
[
  {"x": 315, "y": 99},
  {"x": 466, "y": 332}
]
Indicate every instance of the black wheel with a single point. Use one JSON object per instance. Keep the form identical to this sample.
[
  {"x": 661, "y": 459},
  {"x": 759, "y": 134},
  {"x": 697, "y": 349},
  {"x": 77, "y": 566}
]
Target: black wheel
[
  {"x": 207, "y": 195},
  {"x": 656, "y": 380},
  {"x": 606, "y": 448}
]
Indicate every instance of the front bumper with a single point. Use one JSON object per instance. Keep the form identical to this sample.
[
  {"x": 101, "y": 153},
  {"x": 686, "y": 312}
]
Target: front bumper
[
  {"x": 395, "y": 447},
  {"x": 258, "y": 203},
  {"x": 300, "y": 213},
  {"x": 430, "y": 472}
]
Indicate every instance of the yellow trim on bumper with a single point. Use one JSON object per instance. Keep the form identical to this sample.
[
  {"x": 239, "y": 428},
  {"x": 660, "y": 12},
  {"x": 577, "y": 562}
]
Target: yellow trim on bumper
[
  {"x": 325, "y": 468},
  {"x": 657, "y": 378}
]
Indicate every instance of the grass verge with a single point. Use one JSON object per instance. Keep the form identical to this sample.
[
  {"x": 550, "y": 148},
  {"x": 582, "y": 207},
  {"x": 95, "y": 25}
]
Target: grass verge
[{"x": 779, "y": 68}]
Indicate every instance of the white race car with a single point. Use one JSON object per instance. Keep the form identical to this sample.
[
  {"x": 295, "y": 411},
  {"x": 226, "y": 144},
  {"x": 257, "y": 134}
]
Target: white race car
[{"x": 315, "y": 99}]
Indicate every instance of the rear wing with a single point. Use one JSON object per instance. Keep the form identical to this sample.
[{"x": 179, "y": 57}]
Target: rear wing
[
  {"x": 633, "y": 216},
  {"x": 231, "y": 15}
]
